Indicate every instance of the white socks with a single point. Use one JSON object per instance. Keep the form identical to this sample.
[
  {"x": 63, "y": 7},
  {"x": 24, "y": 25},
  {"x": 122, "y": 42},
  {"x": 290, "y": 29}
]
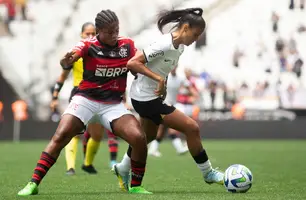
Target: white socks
[
  {"x": 154, "y": 146},
  {"x": 125, "y": 164},
  {"x": 205, "y": 167},
  {"x": 178, "y": 145}
]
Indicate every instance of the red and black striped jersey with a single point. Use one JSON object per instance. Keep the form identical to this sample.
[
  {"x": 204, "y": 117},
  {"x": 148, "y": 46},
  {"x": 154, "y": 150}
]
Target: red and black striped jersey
[
  {"x": 184, "y": 91},
  {"x": 105, "y": 71}
]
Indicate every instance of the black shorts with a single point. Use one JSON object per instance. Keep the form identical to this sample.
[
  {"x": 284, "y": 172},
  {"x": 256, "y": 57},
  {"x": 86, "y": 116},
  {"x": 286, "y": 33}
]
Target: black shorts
[
  {"x": 153, "y": 110},
  {"x": 73, "y": 91}
]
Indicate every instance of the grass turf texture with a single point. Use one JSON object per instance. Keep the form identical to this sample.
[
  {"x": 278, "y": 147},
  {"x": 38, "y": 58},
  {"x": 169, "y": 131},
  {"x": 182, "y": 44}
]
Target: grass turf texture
[{"x": 278, "y": 168}]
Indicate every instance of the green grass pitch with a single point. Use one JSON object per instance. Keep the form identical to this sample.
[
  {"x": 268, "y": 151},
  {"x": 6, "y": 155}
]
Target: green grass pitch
[{"x": 278, "y": 167}]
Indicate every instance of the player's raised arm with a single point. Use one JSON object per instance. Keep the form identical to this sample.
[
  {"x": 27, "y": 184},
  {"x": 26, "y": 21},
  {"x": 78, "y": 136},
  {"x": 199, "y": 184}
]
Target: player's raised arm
[
  {"x": 150, "y": 54},
  {"x": 77, "y": 52},
  {"x": 88, "y": 31},
  {"x": 137, "y": 64},
  {"x": 69, "y": 58},
  {"x": 58, "y": 86}
]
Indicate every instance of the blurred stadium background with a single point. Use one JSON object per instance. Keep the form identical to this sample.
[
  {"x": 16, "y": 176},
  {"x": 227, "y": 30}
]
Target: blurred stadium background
[
  {"x": 248, "y": 67},
  {"x": 251, "y": 56}
]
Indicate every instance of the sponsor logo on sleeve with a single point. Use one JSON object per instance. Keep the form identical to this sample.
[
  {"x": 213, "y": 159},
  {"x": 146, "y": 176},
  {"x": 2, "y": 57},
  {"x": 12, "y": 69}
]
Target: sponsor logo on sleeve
[{"x": 156, "y": 54}]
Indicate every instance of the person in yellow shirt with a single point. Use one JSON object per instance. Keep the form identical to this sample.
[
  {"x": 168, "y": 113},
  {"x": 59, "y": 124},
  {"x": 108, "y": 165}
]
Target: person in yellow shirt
[
  {"x": 22, "y": 4},
  {"x": 94, "y": 132}
]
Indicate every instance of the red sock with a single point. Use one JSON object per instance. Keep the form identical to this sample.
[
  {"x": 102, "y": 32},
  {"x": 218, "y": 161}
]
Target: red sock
[
  {"x": 138, "y": 171},
  {"x": 112, "y": 145},
  {"x": 43, "y": 165},
  {"x": 86, "y": 137}
]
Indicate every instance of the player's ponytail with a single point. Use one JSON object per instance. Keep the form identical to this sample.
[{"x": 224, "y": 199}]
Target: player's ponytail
[{"x": 192, "y": 16}]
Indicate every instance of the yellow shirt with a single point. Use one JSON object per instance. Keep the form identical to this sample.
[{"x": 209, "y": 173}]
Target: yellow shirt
[
  {"x": 77, "y": 72},
  {"x": 21, "y": 2}
]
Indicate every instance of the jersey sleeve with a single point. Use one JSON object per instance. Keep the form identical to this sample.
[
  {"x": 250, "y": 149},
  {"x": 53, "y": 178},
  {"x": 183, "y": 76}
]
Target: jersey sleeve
[
  {"x": 133, "y": 49},
  {"x": 81, "y": 48},
  {"x": 156, "y": 50}
]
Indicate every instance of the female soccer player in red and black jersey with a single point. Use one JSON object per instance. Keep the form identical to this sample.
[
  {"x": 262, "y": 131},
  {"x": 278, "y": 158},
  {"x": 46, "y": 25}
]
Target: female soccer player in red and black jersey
[
  {"x": 98, "y": 99},
  {"x": 94, "y": 131},
  {"x": 153, "y": 65}
]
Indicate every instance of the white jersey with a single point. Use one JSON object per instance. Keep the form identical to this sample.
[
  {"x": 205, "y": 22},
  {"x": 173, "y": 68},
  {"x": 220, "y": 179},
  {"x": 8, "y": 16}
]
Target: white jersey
[
  {"x": 161, "y": 57},
  {"x": 173, "y": 86}
]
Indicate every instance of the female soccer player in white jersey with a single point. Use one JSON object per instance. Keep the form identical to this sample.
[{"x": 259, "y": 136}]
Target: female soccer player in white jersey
[{"x": 153, "y": 65}]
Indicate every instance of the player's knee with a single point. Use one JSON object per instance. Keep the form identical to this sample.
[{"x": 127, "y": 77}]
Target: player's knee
[
  {"x": 193, "y": 128},
  {"x": 61, "y": 137},
  {"x": 139, "y": 139}
]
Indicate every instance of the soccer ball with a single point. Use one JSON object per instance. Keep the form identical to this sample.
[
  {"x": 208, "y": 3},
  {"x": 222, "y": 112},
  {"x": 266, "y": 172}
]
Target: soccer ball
[{"x": 238, "y": 178}]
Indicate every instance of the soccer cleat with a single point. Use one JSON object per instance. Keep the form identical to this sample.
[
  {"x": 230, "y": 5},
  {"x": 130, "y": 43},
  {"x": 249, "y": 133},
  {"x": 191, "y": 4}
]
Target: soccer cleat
[
  {"x": 70, "y": 172},
  {"x": 112, "y": 163},
  {"x": 183, "y": 151},
  {"x": 89, "y": 169},
  {"x": 123, "y": 178},
  {"x": 30, "y": 189},
  {"x": 139, "y": 190},
  {"x": 214, "y": 176},
  {"x": 155, "y": 154}
]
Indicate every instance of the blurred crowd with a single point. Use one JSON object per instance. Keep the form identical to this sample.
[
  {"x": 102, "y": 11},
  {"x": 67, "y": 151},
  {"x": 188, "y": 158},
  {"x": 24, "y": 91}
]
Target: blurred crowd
[
  {"x": 293, "y": 3},
  {"x": 286, "y": 48},
  {"x": 14, "y": 9},
  {"x": 290, "y": 60},
  {"x": 215, "y": 93}
]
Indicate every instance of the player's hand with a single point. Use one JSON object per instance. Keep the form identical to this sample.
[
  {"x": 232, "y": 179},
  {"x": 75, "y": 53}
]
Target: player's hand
[
  {"x": 128, "y": 106},
  {"x": 163, "y": 97},
  {"x": 161, "y": 88},
  {"x": 68, "y": 59},
  {"x": 53, "y": 105}
]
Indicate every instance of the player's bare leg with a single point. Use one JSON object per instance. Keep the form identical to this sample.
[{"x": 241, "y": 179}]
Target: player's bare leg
[
  {"x": 68, "y": 127},
  {"x": 184, "y": 124},
  {"x": 124, "y": 167},
  {"x": 128, "y": 128}
]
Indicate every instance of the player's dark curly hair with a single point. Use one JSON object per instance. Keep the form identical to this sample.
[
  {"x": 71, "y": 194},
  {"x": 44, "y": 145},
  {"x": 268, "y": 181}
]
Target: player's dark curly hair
[
  {"x": 191, "y": 16},
  {"x": 85, "y": 25},
  {"x": 105, "y": 18}
]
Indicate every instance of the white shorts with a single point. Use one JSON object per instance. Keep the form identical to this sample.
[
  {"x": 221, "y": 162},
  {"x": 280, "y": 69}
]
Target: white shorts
[
  {"x": 187, "y": 109},
  {"x": 89, "y": 111}
]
